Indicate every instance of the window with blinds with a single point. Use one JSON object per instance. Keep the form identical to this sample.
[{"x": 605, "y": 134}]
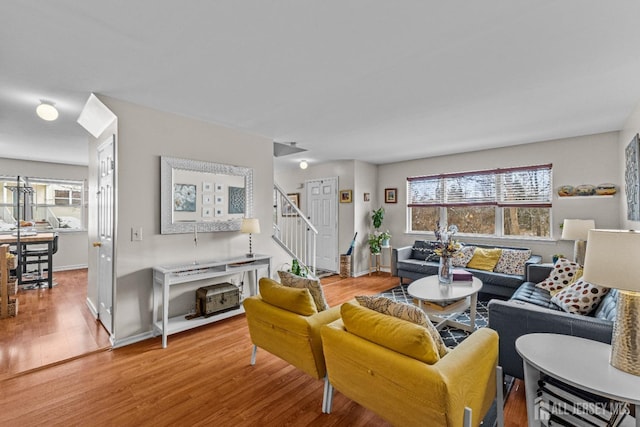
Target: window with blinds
[{"x": 503, "y": 202}]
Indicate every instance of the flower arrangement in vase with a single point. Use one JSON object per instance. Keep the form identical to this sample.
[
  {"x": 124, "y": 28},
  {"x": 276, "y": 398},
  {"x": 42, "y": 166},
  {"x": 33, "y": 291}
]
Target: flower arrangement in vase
[{"x": 446, "y": 247}]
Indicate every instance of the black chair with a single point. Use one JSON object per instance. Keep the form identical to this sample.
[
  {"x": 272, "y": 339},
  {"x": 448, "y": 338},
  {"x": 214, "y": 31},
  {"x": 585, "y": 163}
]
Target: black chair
[{"x": 41, "y": 254}]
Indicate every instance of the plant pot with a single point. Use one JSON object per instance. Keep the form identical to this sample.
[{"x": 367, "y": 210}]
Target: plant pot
[{"x": 384, "y": 242}]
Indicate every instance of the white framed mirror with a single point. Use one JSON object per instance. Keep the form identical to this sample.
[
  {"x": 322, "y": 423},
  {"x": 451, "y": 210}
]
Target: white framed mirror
[{"x": 203, "y": 196}]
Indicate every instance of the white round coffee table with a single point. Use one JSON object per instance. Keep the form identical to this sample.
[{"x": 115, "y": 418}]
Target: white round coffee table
[{"x": 440, "y": 302}]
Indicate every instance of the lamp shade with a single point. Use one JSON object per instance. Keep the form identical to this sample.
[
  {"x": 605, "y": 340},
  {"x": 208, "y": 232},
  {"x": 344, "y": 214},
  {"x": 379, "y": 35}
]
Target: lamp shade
[
  {"x": 612, "y": 259},
  {"x": 250, "y": 225},
  {"x": 577, "y": 229}
]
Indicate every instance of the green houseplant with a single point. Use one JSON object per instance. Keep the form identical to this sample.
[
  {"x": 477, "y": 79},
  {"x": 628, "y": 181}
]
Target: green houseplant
[
  {"x": 374, "y": 243},
  {"x": 377, "y": 217},
  {"x": 384, "y": 238}
]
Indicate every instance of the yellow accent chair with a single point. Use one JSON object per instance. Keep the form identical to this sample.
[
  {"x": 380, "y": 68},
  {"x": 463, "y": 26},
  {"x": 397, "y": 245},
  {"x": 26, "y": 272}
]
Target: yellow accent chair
[
  {"x": 285, "y": 322},
  {"x": 392, "y": 367}
]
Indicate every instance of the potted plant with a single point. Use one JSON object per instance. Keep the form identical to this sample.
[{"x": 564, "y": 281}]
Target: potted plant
[
  {"x": 374, "y": 243},
  {"x": 377, "y": 217},
  {"x": 384, "y": 238}
]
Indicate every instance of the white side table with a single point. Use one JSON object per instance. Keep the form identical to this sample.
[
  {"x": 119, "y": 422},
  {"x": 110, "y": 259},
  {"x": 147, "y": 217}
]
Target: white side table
[{"x": 578, "y": 362}]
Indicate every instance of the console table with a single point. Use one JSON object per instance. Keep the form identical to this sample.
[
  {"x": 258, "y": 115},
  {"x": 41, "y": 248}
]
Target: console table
[
  {"x": 576, "y": 361},
  {"x": 164, "y": 277}
]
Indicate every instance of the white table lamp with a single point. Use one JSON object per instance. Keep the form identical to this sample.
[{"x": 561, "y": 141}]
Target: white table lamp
[
  {"x": 251, "y": 226},
  {"x": 612, "y": 261},
  {"x": 577, "y": 229}
]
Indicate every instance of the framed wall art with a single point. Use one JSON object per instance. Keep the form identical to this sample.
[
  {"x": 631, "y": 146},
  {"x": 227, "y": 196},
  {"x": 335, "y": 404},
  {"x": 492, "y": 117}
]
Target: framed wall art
[
  {"x": 287, "y": 210},
  {"x": 391, "y": 195},
  {"x": 345, "y": 196},
  {"x": 632, "y": 179}
]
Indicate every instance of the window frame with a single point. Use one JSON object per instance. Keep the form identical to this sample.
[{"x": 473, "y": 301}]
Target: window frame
[
  {"x": 436, "y": 196},
  {"x": 33, "y": 181}
]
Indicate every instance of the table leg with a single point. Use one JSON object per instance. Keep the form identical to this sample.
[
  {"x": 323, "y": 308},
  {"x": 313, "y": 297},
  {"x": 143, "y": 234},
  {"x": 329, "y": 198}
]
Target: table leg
[
  {"x": 472, "y": 311},
  {"x": 531, "y": 376},
  {"x": 50, "y": 264}
]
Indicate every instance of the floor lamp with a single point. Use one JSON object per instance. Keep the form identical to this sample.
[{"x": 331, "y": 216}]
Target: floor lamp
[
  {"x": 612, "y": 261},
  {"x": 577, "y": 229},
  {"x": 251, "y": 226}
]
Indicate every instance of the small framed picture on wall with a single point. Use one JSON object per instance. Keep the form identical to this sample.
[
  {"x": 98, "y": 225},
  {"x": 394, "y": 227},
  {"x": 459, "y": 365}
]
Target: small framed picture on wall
[
  {"x": 391, "y": 195},
  {"x": 345, "y": 196}
]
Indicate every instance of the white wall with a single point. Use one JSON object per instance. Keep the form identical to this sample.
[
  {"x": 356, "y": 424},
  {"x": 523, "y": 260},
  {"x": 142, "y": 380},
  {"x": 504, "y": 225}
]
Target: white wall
[
  {"x": 592, "y": 159},
  {"x": 630, "y": 129},
  {"x": 73, "y": 246},
  {"x": 145, "y": 135}
]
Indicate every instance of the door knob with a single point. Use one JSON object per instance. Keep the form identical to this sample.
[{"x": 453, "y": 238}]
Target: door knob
[{"x": 97, "y": 244}]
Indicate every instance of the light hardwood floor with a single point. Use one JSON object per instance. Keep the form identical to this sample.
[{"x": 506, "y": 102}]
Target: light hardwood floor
[{"x": 202, "y": 378}]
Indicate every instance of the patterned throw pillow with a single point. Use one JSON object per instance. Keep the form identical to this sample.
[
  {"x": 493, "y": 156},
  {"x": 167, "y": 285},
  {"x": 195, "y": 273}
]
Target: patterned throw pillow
[
  {"x": 314, "y": 286},
  {"x": 513, "y": 261},
  {"x": 561, "y": 276},
  {"x": 406, "y": 312},
  {"x": 580, "y": 298},
  {"x": 463, "y": 256},
  {"x": 424, "y": 250}
]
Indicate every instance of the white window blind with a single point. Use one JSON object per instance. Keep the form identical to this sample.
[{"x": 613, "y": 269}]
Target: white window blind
[{"x": 521, "y": 186}]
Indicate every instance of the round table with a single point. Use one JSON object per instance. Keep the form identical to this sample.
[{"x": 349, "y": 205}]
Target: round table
[{"x": 441, "y": 301}]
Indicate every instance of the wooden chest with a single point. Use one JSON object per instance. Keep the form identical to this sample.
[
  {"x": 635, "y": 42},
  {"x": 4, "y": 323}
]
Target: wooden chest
[{"x": 216, "y": 298}]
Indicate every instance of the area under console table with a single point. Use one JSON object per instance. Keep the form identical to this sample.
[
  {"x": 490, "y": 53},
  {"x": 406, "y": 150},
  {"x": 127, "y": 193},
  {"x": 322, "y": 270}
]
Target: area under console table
[{"x": 166, "y": 276}]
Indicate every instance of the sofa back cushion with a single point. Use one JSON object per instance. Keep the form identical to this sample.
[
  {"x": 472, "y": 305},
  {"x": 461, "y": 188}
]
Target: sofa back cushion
[
  {"x": 424, "y": 250},
  {"x": 463, "y": 256},
  {"x": 296, "y": 300},
  {"x": 387, "y": 331}
]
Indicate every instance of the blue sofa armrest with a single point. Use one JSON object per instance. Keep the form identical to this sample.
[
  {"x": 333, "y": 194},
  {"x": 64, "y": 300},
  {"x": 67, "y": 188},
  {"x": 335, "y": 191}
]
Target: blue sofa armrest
[
  {"x": 512, "y": 319},
  {"x": 399, "y": 254}
]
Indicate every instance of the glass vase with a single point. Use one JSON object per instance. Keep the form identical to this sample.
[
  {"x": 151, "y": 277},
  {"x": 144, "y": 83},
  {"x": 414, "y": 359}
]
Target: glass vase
[{"x": 445, "y": 270}]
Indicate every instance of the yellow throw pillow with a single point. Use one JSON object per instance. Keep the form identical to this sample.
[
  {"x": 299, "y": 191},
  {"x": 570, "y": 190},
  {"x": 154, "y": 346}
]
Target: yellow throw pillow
[
  {"x": 485, "y": 259},
  {"x": 388, "y": 331},
  {"x": 296, "y": 300}
]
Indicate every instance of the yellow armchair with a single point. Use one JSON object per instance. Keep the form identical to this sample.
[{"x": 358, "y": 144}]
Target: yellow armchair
[
  {"x": 285, "y": 322},
  {"x": 456, "y": 390}
]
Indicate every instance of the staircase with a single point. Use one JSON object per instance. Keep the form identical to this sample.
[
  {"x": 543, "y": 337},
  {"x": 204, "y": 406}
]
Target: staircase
[{"x": 293, "y": 231}]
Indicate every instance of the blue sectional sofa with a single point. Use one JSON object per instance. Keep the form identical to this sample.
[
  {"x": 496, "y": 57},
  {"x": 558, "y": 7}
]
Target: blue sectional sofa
[
  {"x": 409, "y": 262},
  {"x": 531, "y": 310}
]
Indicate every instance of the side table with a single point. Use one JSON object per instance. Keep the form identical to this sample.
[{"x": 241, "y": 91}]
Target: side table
[
  {"x": 579, "y": 362},
  {"x": 376, "y": 260}
]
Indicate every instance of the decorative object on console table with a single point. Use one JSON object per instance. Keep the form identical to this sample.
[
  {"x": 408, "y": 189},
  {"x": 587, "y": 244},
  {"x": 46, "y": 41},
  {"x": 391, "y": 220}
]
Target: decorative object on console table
[
  {"x": 251, "y": 226},
  {"x": 611, "y": 261},
  {"x": 577, "y": 230}
]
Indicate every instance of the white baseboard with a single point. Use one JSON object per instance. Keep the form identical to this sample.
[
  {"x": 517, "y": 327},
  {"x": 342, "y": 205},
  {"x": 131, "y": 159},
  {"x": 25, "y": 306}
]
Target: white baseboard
[
  {"x": 132, "y": 340},
  {"x": 92, "y": 308}
]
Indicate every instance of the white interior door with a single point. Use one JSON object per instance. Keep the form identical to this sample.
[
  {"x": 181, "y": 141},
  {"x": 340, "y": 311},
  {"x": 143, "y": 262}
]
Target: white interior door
[
  {"x": 106, "y": 197},
  {"x": 322, "y": 208}
]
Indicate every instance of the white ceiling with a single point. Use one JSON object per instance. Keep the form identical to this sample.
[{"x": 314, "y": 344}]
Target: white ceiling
[{"x": 379, "y": 81}]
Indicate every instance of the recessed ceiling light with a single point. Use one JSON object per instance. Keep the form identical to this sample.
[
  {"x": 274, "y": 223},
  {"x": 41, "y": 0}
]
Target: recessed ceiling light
[
  {"x": 46, "y": 111},
  {"x": 303, "y": 164}
]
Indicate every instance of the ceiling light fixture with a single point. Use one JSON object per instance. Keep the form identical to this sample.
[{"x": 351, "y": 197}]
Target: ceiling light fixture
[
  {"x": 47, "y": 111},
  {"x": 303, "y": 164}
]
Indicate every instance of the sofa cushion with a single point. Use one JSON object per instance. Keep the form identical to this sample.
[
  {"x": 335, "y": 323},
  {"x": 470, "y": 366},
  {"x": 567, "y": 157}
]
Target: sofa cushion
[
  {"x": 530, "y": 293},
  {"x": 561, "y": 276},
  {"x": 313, "y": 285},
  {"x": 513, "y": 261},
  {"x": 423, "y": 250},
  {"x": 388, "y": 331},
  {"x": 581, "y": 297},
  {"x": 296, "y": 300},
  {"x": 404, "y": 311},
  {"x": 484, "y": 259},
  {"x": 607, "y": 308},
  {"x": 463, "y": 256}
]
